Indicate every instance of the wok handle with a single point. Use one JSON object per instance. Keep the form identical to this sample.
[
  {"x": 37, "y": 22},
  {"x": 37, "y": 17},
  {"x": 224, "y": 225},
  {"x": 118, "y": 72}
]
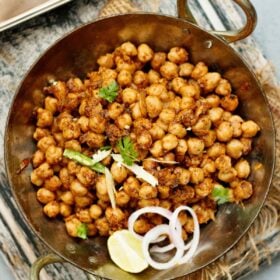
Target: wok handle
[
  {"x": 41, "y": 262},
  {"x": 231, "y": 35}
]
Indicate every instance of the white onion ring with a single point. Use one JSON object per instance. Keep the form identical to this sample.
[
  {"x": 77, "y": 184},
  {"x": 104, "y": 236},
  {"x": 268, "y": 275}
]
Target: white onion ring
[{"x": 153, "y": 234}]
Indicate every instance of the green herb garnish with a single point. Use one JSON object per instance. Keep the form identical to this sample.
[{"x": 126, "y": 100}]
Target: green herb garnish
[
  {"x": 110, "y": 92},
  {"x": 221, "y": 194},
  {"x": 105, "y": 148},
  {"x": 127, "y": 151},
  {"x": 82, "y": 231},
  {"x": 84, "y": 160}
]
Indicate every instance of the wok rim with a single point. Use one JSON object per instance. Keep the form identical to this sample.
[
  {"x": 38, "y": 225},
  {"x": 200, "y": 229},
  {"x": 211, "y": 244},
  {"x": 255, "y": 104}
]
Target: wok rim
[{"x": 77, "y": 29}]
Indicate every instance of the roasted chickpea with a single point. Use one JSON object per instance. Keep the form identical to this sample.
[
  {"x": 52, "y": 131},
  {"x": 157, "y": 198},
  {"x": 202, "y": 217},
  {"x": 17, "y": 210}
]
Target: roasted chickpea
[
  {"x": 177, "y": 129},
  {"x": 223, "y": 162},
  {"x": 53, "y": 155},
  {"x": 38, "y": 158},
  {"x": 77, "y": 188},
  {"x": 45, "y": 142},
  {"x": 51, "y": 104},
  {"x": 119, "y": 173},
  {"x": 243, "y": 190},
  {"x": 103, "y": 226},
  {"x": 128, "y": 48},
  {"x": 209, "y": 81},
  {"x": 72, "y": 224},
  {"x": 144, "y": 140},
  {"x": 122, "y": 198},
  {"x": 44, "y": 170},
  {"x": 223, "y": 88},
  {"x": 197, "y": 175},
  {"x": 84, "y": 216},
  {"x": 158, "y": 60},
  {"x": 161, "y": 124},
  {"x": 124, "y": 64},
  {"x": 114, "y": 110},
  {"x": 129, "y": 95},
  {"x": 181, "y": 149},
  {"x": 247, "y": 145},
  {"x": 51, "y": 209},
  {"x": 157, "y": 149},
  {"x": 199, "y": 70},
  {"x": 106, "y": 60},
  {"x": 145, "y": 53},
  {"x": 65, "y": 210},
  {"x": 131, "y": 186},
  {"x": 156, "y": 90},
  {"x": 147, "y": 191},
  {"x": 53, "y": 183},
  {"x": 208, "y": 166},
  {"x": 95, "y": 211},
  {"x": 67, "y": 197},
  {"x": 234, "y": 148},
  {"x": 227, "y": 175},
  {"x": 195, "y": 146},
  {"x": 183, "y": 175},
  {"x": 243, "y": 168},
  {"x": 148, "y": 202},
  {"x": 224, "y": 132},
  {"x": 73, "y": 145},
  {"x": 154, "y": 106},
  {"x": 164, "y": 191},
  {"x": 185, "y": 69},
  {"x": 167, "y": 115},
  {"x": 71, "y": 131},
  {"x": 124, "y": 121},
  {"x": 209, "y": 138},
  {"x": 83, "y": 201},
  {"x": 97, "y": 123},
  {"x": 153, "y": 77},
  {"x": 142, "y": 226},
  {"x": 215, "y": 114},
  {"x": 177, "y": 55},
  {"x": 44, "y": 118},
  {"x": 216, "y": 150},
  {"x": 157, "y": 132},
  {"x": 100, "y": 185},
  {"x": 249, "y": 129},
  {"x": 40, "y": 133},
  {"x": 169, "y": 142},
  {"x": 177, "y": 83},
  {"x": 229, "y": 102},
  {"x": 140, "y": 79},
  {"x": 124, "y": 78},
  {"x": 86, "y": 176},
  {"x": 136, "y": 111},
  {"x": 202, "y": 126},
  {"x": 204, "y": 188},
  {"x": 213, "y": 100},
  {"x": 35, "y": 179},
  {"x": 169, "y": 70},
  {"x": 45, "y": 196}
]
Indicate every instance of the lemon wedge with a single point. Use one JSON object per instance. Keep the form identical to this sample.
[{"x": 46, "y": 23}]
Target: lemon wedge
[{"x": 126, "y": 251}]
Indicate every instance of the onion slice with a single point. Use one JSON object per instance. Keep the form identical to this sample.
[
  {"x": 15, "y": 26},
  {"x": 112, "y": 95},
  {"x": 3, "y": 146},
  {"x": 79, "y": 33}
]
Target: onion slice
[
  {"x": 100, "y": 155},
  {"x": 163, "y": 161},
  {"x": 110, "y": 185}
]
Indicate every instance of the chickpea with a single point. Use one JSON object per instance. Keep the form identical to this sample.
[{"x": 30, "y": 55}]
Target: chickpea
[
  {"x": 106, "y": 60},
  {"x": 154, "y": 106},
  {"x": 102, "y": 226},
  {"x": 153, "y": 77},
  {"x": 229, "y": 102},
  {"x": 144, "y": 140},
  {"x": 181, "y": 149},
  {"x": 156, "y": 132},
  {"x": 197, "y": 175},
  {"x": 158, "y": 60},
  {"x": 122, "y": 198},
  {"x": 195, "y": 146},
  {"x": 129, "y": 49},
  {"x": 44, "y": 171},
  {"x": 142, "y": 226},
  {"x": 202, "y": 126},
  {"x": 177, "y": 83},
  {"x": 185, "y": 69},
  {"x": 188, "y": 103},
  {"x": 227, "y": 175},
  {"x": 167, "y": 115},
  {"x": 83, "y": 201},
  {"x": 51, "y": 104},
  {"x": 215, "y": 114},
  {"x": 165, "y": 204},
  {"x": 140, "y": 79},
  {"x": 243, "y": 190},
  {"x": 73, "y": 145},
  {"x": 136, "y": 111},
  {"x": 35, "y": 179},
  {"x": 190, "y": 90},
  {"x": 72, "y": 131},
  {"x": 129, "y": 95},
  {"x": 114, "y": 110},
  {"x": 53, "y": 183},
  {"x": 199, "y": 70},
  {"x": 177, "y": 55},
  {"x": 203, "y": 214},
  {"x": 40, "y": 133},
  {"x": 51, "y": 209},
  {"x": 247, "y": 145},
  {"x": 223, "y": 162},
  {"x": 65, "y": 210},
  {"x": 124, "y": 78},
  {"x": 148, "y": 202},
  {"x": 243, "y": 168},
  {"x": 119, "y": 173},
  {"x": 169, "y": 70},
  {"x": 131, "y": 186},
  {"x": 223, "y": 88},
  {"x": 86, "y": 176},
  {"x": 145, "y": 53},
  {"x": 72, "y": 224},
  {"x": 204, "y": 188},
  {"x": 100, "y": 185},
  {"x": 249, "y": 129},
  {"x": 53, "y": 155},
  {"x": 216, "y": 150},
  {"x": 45, "y": 142},
  {"x": 209, "y": 138},
  {"x": 84, "y": 216},
  {"x": 177, "y": 129},
  {"x": 147, "y": 191},
  {"x": 45, "y": 196},
  {"x": 169, "y": 142},
  {"x": 124, "y": 121},
  {"x": 93, "y": 140},
  {"x": 164, "y": 191},
  {"x": 95, "y": 211},
  {"x": 175, "y": 104},
  {"x": 38, "y": 158},
  {"x": 208, "y": 166},
  {"x": 44, "y": 118},
  {"x": 97, "y": 124},
  {"x": 73, "y": 167},
  {"x": 224, "y": 131},
  {"x": 213, "y": 100},
  {"x": 156, "y": 90},
  {"x": 183, "y": 175},
  {"x": 234, "y": 148},
  {"x": 114, "y": 216},
  {"x": 67, "y": 197},
  {"x": 124, "y": 64},
  {"x": 209, "y": 81},
  {"x": 77, "y": 188}
]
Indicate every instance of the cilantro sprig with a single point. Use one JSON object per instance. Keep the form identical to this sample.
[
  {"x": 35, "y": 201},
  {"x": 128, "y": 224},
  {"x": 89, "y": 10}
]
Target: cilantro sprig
[
  {"x": 221, "y": 194},
  {"x": 110, "y": 92},
  {"x": 127, "y": 150},
  {"x": 82, "y": 231}
]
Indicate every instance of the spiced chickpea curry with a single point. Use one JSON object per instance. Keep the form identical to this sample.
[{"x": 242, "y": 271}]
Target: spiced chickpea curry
[{"x": 147, "y": 130}]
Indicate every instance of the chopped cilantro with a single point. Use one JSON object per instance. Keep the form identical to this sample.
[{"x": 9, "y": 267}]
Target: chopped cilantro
[
  {"x": 110, "y": 92},
  {"x": 127, "y": 151},
  {"x": 221, "y": 194},
  {"x": 82, "y": 231}
]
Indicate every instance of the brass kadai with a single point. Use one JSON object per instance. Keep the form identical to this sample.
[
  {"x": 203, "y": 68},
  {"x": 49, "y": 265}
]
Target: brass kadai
[{"x": 76, "y": 54}]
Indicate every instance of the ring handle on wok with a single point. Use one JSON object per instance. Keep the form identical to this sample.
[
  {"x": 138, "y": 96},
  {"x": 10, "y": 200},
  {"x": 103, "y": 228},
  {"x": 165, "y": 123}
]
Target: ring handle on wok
[
  {"x": 41, "y": 262},
  {"x": 230, "y": 35}
]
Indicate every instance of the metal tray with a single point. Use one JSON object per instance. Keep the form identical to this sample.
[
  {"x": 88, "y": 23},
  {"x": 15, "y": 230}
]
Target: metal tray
[{"x": 13, "y": 12}]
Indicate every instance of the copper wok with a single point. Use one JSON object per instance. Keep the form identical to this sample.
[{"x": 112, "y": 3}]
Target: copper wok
[{"x": 75, "y": 54}]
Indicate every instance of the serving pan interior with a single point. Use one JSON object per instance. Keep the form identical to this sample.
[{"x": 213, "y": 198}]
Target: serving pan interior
[{"x": 76, "y": 54}]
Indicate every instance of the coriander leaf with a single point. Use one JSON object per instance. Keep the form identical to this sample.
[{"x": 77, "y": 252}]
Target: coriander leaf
[
  {"x": 127, "y": 151},
  {"x": 221, "y": 194},
  {"x": 84, "y": 160},
  {"x": 105, "y": 148},
  {"x": 82, "y": 231},
  {"x": 110, "y": 92}
]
